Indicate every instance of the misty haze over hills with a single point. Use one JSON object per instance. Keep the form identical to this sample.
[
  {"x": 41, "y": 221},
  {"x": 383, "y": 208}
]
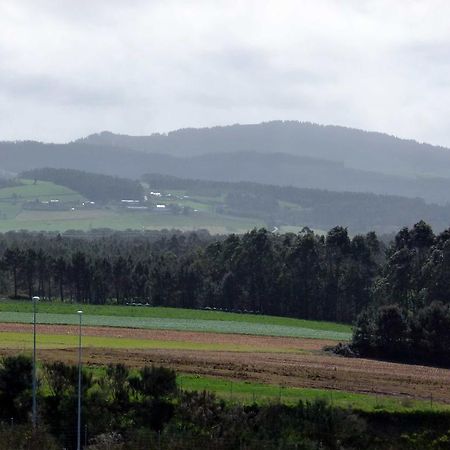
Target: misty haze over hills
[
  {"x": 283, "y": 153},
  {"x": 357, "y": 149}
]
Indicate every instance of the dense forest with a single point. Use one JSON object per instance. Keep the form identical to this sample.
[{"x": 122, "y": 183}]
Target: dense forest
[
  {"x": 417, "y": 336},
  {"x": 125, "y": 409},
  {"x": 304, "y": 275},
  {"x": 94, "y": 186},
  {"x": 409, "y": 316}
]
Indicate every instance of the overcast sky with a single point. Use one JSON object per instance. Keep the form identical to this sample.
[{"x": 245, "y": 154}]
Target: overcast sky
[{"x": 69, "y": 68}]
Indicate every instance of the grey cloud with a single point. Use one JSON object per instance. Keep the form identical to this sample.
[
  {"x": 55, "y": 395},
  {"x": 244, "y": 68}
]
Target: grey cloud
[
  {"x": 433, "y": 53},
  {"x": 55, "y": 91},
  {"x": 140, "y": 66}
]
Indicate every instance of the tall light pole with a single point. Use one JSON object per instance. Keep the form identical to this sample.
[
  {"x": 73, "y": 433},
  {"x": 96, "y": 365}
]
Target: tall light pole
[
  {"x": 80, "y": 315},
  {"x": 34, "y": 414}
]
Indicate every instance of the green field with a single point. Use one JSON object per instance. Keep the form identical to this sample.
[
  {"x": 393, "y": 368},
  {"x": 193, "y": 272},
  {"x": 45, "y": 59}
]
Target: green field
[
  {"x": 43, "y": 190},
  {"x": 249, "y": 392},
  {"x": 199, "y": 320},
  {"x": 14, "y": 217},
  {"x": 173, "y": 319},
  {"x": 12, "y": 198},
  {"x": 155, "y": 323},
  {"x": 87, "y": 220},
  {"x": 203, "y": 213},
  {"x": 24, "y": 341}
]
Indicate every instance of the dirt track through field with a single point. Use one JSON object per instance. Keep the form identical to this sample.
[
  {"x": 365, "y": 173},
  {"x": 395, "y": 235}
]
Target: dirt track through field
[{"x": 313, "y": 368}]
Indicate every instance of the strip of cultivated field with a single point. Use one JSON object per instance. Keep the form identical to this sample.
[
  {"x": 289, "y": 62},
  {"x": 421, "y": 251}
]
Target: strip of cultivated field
[
  {"x": 20, "y": 337},
  {"x": 262, "y": 360},
  {"x": 173, "y": 319},
  {"x": 212, "y": 326},
  {"x": 281, "y": 344},
  {"x": 239, "y": 355}
]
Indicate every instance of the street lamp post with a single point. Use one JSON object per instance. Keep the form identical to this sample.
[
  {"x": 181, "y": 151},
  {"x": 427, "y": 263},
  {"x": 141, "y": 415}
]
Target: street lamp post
[
  {"x": 80, "y": 315},
  {"x": 34, "y": 412}
]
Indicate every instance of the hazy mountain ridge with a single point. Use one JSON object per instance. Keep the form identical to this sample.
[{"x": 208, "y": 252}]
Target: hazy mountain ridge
[
  {"x": 282, "y": 153},
  {"x": 358, "y": 149}
]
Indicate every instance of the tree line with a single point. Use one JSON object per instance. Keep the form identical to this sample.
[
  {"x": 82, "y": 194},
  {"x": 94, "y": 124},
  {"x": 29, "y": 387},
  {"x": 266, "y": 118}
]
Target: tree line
[
  {"x": 390, "y": 332},
  {"x": 409, "y": 317},
  {"x": 300, "y": 275},
  {"x": 324, "y": 277}
]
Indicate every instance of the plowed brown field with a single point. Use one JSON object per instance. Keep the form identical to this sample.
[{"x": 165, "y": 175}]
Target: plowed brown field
[{"x": 312, "y": 368}]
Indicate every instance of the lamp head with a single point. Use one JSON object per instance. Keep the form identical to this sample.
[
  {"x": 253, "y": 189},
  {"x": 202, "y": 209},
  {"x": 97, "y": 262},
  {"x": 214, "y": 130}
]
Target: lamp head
[
  {"x": 80, "y": 312},
  {"x": 35, "y": 299}
]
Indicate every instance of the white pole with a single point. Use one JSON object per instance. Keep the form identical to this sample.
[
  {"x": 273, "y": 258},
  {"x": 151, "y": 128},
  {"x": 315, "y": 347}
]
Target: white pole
[
  {"x": 80, "y": 314},
  {"x": 34, "y": 412}
]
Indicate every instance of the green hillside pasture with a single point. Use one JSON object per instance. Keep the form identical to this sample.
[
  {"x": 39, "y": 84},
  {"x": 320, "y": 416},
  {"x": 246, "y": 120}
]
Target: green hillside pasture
[
  {"x": 43, "y": 190},
  {"x": 124, "y": 220},
  {"x": 13, "y": 217},
  {"x": 12, "y": 198},
  {"x": 24, "y": 341},
  {"x": 249, "y": 392},
  {"x": 174, "y": 318},
  {"x": 154, "y": 323}
]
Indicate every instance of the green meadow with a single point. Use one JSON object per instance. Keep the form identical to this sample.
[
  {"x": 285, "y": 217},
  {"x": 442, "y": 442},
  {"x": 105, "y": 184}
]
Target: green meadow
[
  {"x": 43, "y": 190},
  {"x": 173, "y": 319},
  {"x": 123, "y": 220},
  {"x": 14, "y": 217},
  {"x": 248, "y": 392}
]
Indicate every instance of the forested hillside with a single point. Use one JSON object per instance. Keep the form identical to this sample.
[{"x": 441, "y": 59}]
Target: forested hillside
[
  {"x": 318, "y": 209},
  {"x": 358, "y": 149},
  {"x": 221, "y": 207},
  {"x": 97, "y": 187},
  {"x": 22, "y": 156},
  {"x": 280, "y": 153}
]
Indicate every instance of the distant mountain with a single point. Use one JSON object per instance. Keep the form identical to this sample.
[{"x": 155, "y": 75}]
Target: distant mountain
[
  {"x": 269, "y": 168},
  {"x": 280, "y": 153},
  {"x": 357, "y": 149},
  {"x": 21, "y": 156}
]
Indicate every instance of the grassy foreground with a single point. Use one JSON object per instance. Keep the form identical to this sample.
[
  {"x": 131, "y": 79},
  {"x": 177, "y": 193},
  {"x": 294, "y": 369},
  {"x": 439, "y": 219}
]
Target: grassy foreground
[
  {"x": 249, "y": 392},
  {"x": 173, "y": 319}
]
